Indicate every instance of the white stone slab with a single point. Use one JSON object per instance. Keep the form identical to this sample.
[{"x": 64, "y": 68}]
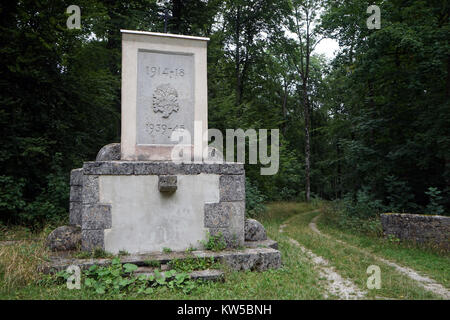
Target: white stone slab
[
  {"x": 146, "y": 220},
  {"x": 167, "y": 35},
  {"x": 164, "y": 87}
]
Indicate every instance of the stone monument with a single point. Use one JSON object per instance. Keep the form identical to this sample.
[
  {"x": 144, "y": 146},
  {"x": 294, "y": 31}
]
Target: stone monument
[
  {"x": 140, "y": 199},
  {"x": 161, "y": 187}
]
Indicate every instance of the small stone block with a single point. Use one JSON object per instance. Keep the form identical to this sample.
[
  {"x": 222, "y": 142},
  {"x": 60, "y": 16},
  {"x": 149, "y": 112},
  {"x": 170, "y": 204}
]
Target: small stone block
[
  {"x": 208, "y": 275},
  {"x": 92, "y": 239},
  {"x": 232, "y": 168},
  {"x": 76, "y": 193},
  {"x": 90, "y": 189},
  {"x": 97, "y": 216},
  {"x": 75, "y": 211},
  {"x": 266, "y": 258},
  {"x": 217, "y": 215},
  {"x": 167, "y": 184},
  {"x": 232, "y": 187},
  {"x": 76, "y": 177}
]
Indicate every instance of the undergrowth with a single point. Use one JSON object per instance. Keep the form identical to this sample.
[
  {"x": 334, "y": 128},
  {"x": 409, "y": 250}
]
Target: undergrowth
[
  {"x": 193, "y": 263},
  {"x": 118, "y": 279},
  {"x": 214, "y": 242}
]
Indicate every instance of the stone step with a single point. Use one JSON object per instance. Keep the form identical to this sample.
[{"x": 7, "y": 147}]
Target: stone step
[
  {"x": 207, "y": 275},
  {"x": 257, "y": 259},
  {"x": 269, "y": 243}
]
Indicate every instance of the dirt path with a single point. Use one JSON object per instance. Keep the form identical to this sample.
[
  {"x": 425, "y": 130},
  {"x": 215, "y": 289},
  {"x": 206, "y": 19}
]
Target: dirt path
[
  {"x": 336, "y": 285},
  {"x": 426, "y": 282}
]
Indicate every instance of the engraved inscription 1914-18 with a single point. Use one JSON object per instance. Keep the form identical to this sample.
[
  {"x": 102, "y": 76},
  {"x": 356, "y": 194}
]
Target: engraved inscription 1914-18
[{"x": 165, "y": 96}]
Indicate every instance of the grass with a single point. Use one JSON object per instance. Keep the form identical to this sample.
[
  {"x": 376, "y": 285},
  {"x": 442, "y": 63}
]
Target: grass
[
  {"x": 193, "y": 263},
  {"x": 352, "y": 264},
  {"x": 8, "y": 233},
  {"x": 19, "y": 263},
  {"x": 297, "y": 279}
]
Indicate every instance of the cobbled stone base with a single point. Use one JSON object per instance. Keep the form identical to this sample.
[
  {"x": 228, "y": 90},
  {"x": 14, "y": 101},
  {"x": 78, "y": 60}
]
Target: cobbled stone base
[
  {"x": 254, "y": 259},
  {"x": 226, "y": 216}
]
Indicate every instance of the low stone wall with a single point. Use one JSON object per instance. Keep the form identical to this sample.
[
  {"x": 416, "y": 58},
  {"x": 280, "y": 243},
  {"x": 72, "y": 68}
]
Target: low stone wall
[{"x": 418, "y": 228}]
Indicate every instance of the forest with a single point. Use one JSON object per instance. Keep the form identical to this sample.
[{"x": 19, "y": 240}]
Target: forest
[{"x": 369, "y": 128}]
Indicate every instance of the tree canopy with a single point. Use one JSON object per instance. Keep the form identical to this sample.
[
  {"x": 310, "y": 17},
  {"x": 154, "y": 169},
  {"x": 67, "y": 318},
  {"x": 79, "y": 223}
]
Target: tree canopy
[{"x": 374, "y": 120}]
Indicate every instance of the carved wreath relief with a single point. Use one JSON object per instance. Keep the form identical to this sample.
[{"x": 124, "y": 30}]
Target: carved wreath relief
[{"x": 165, "y": 100}]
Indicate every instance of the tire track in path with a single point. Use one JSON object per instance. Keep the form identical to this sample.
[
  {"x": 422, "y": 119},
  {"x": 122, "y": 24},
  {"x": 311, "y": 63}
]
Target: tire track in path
[
  {"x": 424, "y": 281},
  {"x": 336, "y": 285}
]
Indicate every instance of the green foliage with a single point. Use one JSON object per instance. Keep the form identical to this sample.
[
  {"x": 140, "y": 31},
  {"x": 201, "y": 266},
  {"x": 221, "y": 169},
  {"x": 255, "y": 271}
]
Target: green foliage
[
  {"x": 379, "y": 111},
  {"x": 51, "y": 205},
  {"x": 193, "y": 263},
  {"x": 114, "y": 279},
  {"x": 364, "y": 206},
  {"x": 152, "y": 263},
  {"x": 11, "y": 197},
  {"x": 399, "y": 195},
  {"x": 214, "y": 242},
  {"x": 434, "y": 207},
  {"x": 254, "y": 200},
  {"x": 190, "y": 249},
  {"x": 117, "y": 279},
  {"x": 167, "y": 250},
  {"x": 388, "y": 94},
  {"x": 393, "y": 239},
  {"x": 96, "y": 254},
  {"x": 340, "y": 214},
  {"x": 123, "y": 253}
]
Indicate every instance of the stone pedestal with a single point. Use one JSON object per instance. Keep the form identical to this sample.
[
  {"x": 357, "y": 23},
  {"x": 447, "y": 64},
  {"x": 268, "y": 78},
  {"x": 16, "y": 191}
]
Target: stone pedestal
[{"x": 146, "y": 206}]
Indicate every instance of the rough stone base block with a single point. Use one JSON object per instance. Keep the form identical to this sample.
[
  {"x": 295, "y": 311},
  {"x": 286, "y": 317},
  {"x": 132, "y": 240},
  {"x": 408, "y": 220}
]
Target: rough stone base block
[
  {"x": 254, "y": 259},
  {"x": 146, "y": 206},
  {"x": 64, "y": 238}
]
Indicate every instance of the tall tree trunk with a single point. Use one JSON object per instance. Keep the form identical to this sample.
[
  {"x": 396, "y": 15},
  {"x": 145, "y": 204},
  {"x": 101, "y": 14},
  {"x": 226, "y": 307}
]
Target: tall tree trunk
[
  {"x": 284, "y": 108},
  {"x": 307, "y": 141},
  {"x": 307, "y": 113},
  {"x": 447, "y": 94},
  {"x": 238, "y": 56},
  {"x": 339, "y": 171}
]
